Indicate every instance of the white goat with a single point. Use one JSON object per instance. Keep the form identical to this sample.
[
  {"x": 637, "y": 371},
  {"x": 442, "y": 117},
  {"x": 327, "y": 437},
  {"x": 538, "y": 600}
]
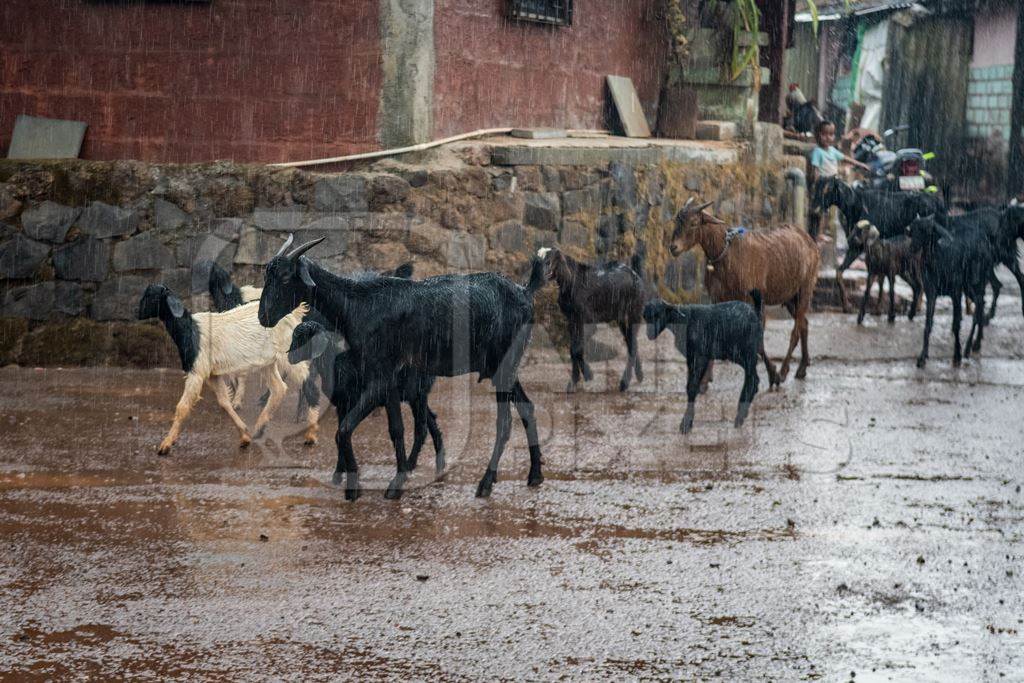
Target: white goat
[{"x": 215, "y": 345}]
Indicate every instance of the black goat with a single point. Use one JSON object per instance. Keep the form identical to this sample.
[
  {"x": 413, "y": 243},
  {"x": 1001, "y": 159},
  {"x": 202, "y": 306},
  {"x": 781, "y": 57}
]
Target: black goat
[
  {"x": 887, "y": 258},
  {"x": 953, "y": 265},
  {"x": 613, "y": 293},
  {"x": 726, "y": 331},
  {"x": 890, "y": 212},
  {"x": 446, "y": 326},
  {"x": 343, "y": 382},
  {"x": 1002, "y": 227}
]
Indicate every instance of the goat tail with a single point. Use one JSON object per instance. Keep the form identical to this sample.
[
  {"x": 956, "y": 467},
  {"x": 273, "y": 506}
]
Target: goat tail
[
  {"x": 755, "y": 294},
  {"x": 536, "y": 276}
]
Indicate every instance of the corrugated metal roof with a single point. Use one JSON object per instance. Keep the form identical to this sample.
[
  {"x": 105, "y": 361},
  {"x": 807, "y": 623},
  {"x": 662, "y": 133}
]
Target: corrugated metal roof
[{"x": 830, "y": 10}]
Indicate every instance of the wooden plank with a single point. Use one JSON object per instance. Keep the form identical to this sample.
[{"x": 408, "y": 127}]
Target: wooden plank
[{"x": 627, "y": 104}]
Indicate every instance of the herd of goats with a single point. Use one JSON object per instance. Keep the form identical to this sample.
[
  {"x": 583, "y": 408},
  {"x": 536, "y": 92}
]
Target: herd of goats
[{"x": 380, "y": 339}]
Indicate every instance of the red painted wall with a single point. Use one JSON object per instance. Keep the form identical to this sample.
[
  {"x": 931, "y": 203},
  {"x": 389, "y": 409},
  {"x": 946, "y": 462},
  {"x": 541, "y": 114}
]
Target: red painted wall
[
  {"x": 494, "y": 72},
  {"x": 250, "y": 80}
]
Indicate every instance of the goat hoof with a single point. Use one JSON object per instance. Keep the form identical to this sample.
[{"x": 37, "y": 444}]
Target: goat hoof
[
  {"x": 483, "y": 489},
  {"x": 164, "y": 449},
  {"x": 639, "y": 375},
  {"x": 976, "y": 346},
  {"x": 310, "y": 440},
  {"x": 258, "y": 434},
  {"x": 440, "y": 463},
  {"x": 352, "y": 494},
  {"x": 570, "y": 388},
  {"x": 623, "y": 385},
  {"x": 957, "y": 362},
  {"x": 394, "y": 490},
  {"x": 587, "y": 374},
  {"x": 535, "y": 478},
  {"x": 921, "y": 360},
  {"x": 337, "y": 477},
  {"x": 801, "y": 373},
  {"x": 244, "y": 441}
]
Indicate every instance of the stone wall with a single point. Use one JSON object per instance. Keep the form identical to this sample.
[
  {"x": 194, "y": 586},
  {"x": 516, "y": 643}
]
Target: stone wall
[{"x": 79, "y": 241}]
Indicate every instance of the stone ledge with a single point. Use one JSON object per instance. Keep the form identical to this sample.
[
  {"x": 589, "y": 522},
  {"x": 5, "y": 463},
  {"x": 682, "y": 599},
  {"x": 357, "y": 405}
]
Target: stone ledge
[{"x": 599, "y": 151}]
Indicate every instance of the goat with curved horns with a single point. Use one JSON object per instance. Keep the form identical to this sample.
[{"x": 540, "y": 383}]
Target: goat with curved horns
[{"x": 445, "y": 326}]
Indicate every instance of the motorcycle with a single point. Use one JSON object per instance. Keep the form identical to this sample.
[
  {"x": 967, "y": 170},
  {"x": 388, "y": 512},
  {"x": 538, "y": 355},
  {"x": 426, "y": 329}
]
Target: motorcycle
[{"x": 902, "y": 170}]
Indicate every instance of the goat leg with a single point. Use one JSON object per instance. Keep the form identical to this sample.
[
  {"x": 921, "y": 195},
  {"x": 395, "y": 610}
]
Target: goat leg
[
  {"x": 575, "y": 355},
  {"x": 419, "y": 430},
  {"x": 629, "y": 334},
  {"x": 957, "y": 317},
  {"x": 864, "y": 299},
  {"x": 347, "y": 464},
  {"x": 997, "y": 286},
  {"x": 979, "y": 321},
  {"x": 929, "y": 319},
  {"x": 1015, "y": 269},
  {"x": 189, "y": 397},
  {"x": 750, "y": 382},
  {"x": 396, "y": 430},
  {"x": 892, "y": 298},
  {"x": 503, "y": 427},
  {"x": 223, "y": 394},
  {"x": 277, "y": 389},
  {"x": 524, "y": 406},
  {"x": 881, "y": 293},
  {"x": 696, "y": 369},
  {"x": 435, "y": 435}
]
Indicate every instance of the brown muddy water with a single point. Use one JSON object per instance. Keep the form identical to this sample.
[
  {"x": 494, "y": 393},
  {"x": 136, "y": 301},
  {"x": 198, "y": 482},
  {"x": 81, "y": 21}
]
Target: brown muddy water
[{"x": 865, "y": 523}]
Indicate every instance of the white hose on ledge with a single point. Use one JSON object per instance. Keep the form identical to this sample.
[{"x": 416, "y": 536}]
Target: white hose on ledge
[{"x": 422, "y": 146}]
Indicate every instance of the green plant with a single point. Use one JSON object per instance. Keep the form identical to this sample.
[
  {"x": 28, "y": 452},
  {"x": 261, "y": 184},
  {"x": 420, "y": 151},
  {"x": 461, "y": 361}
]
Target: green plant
[{"x": 746, "y": 19}]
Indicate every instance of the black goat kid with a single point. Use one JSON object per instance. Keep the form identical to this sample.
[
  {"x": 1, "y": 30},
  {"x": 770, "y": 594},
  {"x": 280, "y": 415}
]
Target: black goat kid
[
  {"x": 613, "y": 293},
  {"x": 446, "y": 326},
  {"x": 726, "y": 331},
  {"x": 343, "y": 382},
  {"x": 954, "y": 266}
]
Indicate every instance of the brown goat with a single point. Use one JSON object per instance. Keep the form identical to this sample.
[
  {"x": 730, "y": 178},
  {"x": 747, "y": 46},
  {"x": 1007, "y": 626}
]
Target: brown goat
[
  {"x": 782, "y": 263},
  {"x": 612, "y": 293},
  {"x": 885, "y": 259}
]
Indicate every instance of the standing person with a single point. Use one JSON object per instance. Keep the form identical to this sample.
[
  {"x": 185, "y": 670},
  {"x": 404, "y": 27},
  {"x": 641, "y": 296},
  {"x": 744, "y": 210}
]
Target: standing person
[{"x": 825, "y": 160}]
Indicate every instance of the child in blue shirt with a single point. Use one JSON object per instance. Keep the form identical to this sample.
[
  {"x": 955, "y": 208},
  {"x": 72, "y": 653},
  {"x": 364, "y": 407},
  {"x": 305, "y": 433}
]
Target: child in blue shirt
[{"x": 825, "y": 160}]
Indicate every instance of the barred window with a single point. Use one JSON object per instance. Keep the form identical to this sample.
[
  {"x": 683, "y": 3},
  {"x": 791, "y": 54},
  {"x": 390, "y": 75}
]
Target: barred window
[{"x": 545, "y": 11}]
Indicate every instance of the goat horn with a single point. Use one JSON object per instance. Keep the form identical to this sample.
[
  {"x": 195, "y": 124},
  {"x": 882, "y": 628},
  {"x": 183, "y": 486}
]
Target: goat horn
[
  {"x": 302, "y": 249},
  {"x": 284, "y": 247},
  {"x": 686, "y": 206},
  {"x": 704, "y": 206}
]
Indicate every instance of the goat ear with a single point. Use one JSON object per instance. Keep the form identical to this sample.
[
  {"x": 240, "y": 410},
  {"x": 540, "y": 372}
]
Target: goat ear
[
  {"x": 304, "y": 273},
  {"x": 175, "y": 306},
  {"x": 226, "y": 288},
  {"x": 318, "y": 344},
  {"x": 706, "y": 217}
]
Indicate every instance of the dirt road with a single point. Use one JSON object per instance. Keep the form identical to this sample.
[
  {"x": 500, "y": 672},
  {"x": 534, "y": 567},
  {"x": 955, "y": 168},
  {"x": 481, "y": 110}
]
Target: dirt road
[{"x": 867, "y": 521}]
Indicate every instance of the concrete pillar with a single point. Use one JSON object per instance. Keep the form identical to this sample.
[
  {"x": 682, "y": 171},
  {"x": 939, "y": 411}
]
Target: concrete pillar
[{"x": 407, "y": 91}]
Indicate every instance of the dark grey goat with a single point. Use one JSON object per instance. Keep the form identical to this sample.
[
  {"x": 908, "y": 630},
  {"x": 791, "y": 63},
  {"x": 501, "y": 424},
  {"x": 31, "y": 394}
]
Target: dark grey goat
[
  {"x": 612, "y": 293},
  {"x": 887, "y": 258},
  {"x": 342, "y": 380},
  {"x": 953, "y": 265},
  {"x": 726, "y": 331}
]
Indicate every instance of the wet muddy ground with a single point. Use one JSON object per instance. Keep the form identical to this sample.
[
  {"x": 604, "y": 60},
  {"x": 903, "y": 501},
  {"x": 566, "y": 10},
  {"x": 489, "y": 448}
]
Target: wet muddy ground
[{"x": 867, "y": 521}]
